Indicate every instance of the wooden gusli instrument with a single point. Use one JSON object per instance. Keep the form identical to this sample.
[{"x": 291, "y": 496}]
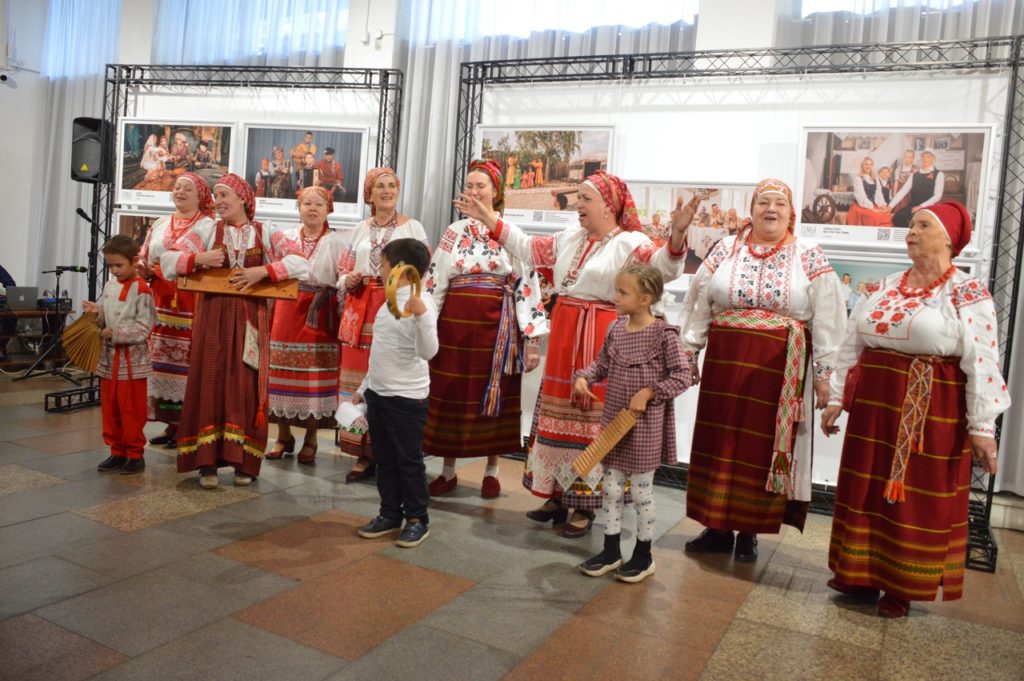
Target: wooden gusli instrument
[{"x": 216, "y": 281}]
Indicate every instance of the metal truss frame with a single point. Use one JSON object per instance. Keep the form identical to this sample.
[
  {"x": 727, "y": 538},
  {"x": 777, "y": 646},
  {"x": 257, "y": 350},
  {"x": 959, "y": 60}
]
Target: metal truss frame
[
  {"x": 993, "y": 55},
  {"x": 125, "y": 82}
]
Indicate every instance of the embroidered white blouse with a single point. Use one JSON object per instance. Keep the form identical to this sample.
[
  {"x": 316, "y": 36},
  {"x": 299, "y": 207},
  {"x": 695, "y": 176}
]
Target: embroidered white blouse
[
  {"x": 467, "y": 248},
  {"x": 281, "y": 261},
  {"x": 161, "y": 237},
  {"x": 957, "y": 319},
  {"x": 797, "y": 282},
  {"x": 585, "y": 268},
  {"x": 360, "y": 257},
  {"x": 322, "y": 254}
]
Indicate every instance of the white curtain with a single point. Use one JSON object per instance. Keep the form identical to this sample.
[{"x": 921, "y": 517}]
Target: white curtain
[
  {"x": 73, "y": 61},
  {"x": 436, "y": 36},
  {"x": 250, "y": 32},
  {"x": 803, "y": 23}
]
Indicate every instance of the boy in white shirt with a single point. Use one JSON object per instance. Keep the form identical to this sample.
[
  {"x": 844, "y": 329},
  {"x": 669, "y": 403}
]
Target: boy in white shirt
[{"x": 395, "y": 390}]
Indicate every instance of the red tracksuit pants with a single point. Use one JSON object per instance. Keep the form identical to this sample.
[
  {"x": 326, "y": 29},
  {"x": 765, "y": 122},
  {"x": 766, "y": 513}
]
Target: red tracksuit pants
[{"x": 124, "y": 415}]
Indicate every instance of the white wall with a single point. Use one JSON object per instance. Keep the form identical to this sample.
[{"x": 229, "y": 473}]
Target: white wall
[{"x": 22, "y": 118}]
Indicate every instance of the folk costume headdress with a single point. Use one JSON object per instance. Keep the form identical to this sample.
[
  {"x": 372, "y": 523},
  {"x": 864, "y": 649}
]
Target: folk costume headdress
[
  {"x": 322, "y": 193},
  {"x": 203, "y": 189},
  {"x": 615, "y": 194},
  {"x": 491, "y": 169},
  {"x": 372, "y": 176},
  {"x": 953, "y": 216},
  {"x": 244, "y": 191}
]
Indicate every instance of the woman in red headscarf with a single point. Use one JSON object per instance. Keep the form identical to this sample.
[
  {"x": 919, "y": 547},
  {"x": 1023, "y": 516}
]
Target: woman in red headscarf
[
  {"x": 304, "y": 335},
  {"x": 363, "y": 292},
  {"x": 489, "y": 326},
  {"x": 756, "y": 302},
  {"x": 585, "y": 260},
  {"x": 919, "y": 373},
  {"x": 224, "y": 419},
  {"x": 171, "y": 339}
]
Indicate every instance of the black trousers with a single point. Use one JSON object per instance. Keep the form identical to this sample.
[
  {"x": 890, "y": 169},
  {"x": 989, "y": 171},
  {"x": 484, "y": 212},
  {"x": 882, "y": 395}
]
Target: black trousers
[{"x": 396, "y": 437}]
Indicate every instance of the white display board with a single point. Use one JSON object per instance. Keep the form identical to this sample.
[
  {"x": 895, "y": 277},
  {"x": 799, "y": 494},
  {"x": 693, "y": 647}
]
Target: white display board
[{"x": 742, "y": 130}]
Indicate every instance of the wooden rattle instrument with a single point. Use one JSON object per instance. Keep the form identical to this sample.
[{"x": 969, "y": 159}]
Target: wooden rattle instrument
[{"x": 603, "y": 444}]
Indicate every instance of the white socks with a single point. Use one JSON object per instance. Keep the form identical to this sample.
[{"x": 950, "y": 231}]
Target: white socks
[
  {"x": 448, "y": 472},
  {"x": 491, "y": 471}
]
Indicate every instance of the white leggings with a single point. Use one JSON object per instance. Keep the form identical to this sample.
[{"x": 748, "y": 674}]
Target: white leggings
[{"x": 643, "y": 501}]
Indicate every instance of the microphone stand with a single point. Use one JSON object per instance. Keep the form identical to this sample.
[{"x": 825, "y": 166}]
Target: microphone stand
[{"x": 51, "y": 341}]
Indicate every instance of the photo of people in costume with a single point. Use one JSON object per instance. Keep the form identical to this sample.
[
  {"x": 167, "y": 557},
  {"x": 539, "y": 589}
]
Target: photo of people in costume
[
  {"x": 282, "y": 161},
  {"x": 862, "y": 185},
  {"x": 154, "y": 154},
  {"x": 542, "y": 169}
]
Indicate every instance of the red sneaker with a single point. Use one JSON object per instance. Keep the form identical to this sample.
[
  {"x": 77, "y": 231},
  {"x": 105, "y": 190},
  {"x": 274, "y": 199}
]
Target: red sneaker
[
  {"x": 491, "y": 488},
  {"x": 442, "y": 485}
]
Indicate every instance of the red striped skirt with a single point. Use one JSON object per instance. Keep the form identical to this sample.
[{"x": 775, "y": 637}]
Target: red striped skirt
[
  {"x": 909, "y": 548},
  {"x": 219, "y": 420},
  {"x": 562, "y": 426},
  {"x": 467, "y": 330},
  {"x": 865, "y": 217},
  {"x": 734, "y": 434},
  {"x": 357, "y": 316},
  {"x": 169, "y": 347},
  {"x": 304, "y": 360}
]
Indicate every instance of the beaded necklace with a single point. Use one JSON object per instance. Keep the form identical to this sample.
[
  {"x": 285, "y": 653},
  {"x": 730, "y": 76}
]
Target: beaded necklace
[
  {"x": 770, "y": 252},
  {"x": 918, "y": 291}
]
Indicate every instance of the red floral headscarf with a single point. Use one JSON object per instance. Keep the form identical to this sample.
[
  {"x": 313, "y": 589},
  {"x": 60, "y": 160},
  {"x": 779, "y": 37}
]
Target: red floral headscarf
[
  {"x": 773, "y": 186},
  {"x": 325, "y": 195},
  {"x": 203, "y": 189},
  {"x": 616, "y": 196},
  {"x": 491, "y": 169},
  {"x": 244, "y": 191},
  {"x": 956, "y": 220},
  {"x": 372, "y": 176}
]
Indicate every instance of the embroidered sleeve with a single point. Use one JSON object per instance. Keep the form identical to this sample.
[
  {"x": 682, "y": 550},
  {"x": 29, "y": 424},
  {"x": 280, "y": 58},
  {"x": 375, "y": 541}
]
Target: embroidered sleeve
[
  {"x": 987, "y": 395},
  {"x": 435, "y": 281},
  {"x": 180, "y": 259},
  {"x": 283, "y": 255},
  {"x": 447, "y": 240},
  {"x": 828, "y": 321},
  {"x": 695, "y": 318},
  {"x": 533, "y": 320},
  {"x": 671, "y": 267},
  {"x": 535, "y": 251},
  {"x": 850, "y": 348},
  {"x": 815, "y": 263},
  {"x": 715, "y": 257}
]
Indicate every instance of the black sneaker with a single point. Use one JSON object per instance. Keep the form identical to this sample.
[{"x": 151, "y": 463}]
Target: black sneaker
[
  {"x": 711, "y": 541},
  {"x": 606, "y": 561},
  {"x": 111, "y": 463},
  {"x": 746, "y": 547},
  {"x": 133, "y": 466},
  {"x": 412, "y": 534},
  {"x": 378, "y": 527}
]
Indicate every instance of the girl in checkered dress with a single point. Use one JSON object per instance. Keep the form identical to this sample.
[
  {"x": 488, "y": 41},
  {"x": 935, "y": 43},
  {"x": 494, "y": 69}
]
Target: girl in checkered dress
[{"x": 646, "y": 368}]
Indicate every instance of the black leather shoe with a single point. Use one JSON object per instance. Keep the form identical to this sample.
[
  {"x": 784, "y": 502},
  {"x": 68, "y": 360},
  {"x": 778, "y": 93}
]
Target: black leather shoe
[
  {"x": 112, "y": 463},
  {"x": 133, "y": 466},
  {"x": 162, "y": 439},
  {"x": 746, "y": 547},
  {"x": 171, "y": 444},
  {"x": 711, "y": 541},
  {"x": 358, "y": 476}
]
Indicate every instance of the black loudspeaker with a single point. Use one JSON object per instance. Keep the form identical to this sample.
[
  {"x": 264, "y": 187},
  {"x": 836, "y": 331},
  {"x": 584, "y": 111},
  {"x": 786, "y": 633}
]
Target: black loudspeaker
[{"x": 87, "y": 159}]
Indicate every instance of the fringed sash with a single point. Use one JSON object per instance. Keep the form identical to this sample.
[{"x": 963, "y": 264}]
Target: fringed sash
[
  {"x": 322, "y": 295},
  {"x": 782, "y": 473},
  {"x": 585, "y": 344},
  {"x": 355, "y": 309},
  {"x": 913, "y": 415},
  {"x": 507, "y": 357}
]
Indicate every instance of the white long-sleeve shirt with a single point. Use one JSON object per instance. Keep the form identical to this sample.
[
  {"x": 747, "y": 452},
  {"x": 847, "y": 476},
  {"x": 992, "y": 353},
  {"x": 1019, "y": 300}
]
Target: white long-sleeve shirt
[{"x": 400, "y": 351}]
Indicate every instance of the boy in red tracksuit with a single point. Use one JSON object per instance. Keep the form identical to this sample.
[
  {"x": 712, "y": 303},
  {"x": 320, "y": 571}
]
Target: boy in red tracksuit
[{"x": 126, "y": 318}]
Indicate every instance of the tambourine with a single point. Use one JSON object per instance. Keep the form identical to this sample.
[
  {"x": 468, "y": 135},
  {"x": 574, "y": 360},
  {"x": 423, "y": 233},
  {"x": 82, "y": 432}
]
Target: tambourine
[{"x": 391, "y": 287}]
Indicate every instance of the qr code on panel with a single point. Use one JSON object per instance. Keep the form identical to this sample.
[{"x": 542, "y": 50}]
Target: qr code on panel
[{"x": 884, "y": 234}]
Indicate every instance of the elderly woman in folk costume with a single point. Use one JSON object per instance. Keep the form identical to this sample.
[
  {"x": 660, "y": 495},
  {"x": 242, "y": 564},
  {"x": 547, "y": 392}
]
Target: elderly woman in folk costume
[
  {"x": 489, "y": 328},
  {"x": 171, "y": 339},
  {"x": 360, "y": 284},
  {"x": 304, "y": 334},
  {"x": 755, "y": 303},
  {"x": 919, "y": 374},
  {"x": 224, "y": 420},
  {"x": 585, "y": 261}
]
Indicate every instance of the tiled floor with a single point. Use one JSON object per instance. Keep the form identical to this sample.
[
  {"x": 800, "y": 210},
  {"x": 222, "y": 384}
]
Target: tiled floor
[{"x": 149, "y": 577}]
